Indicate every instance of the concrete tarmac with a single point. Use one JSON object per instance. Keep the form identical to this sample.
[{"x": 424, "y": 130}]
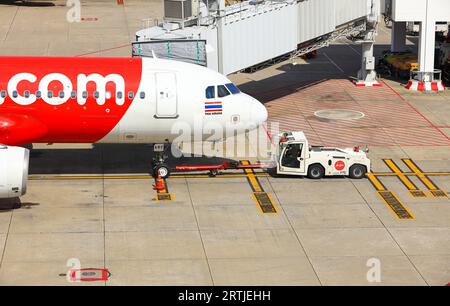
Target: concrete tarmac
[{"x": 98, "y": 206}]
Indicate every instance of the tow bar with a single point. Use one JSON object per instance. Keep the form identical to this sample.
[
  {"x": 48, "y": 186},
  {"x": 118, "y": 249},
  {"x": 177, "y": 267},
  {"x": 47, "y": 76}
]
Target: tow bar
[{"x": 214, "y": 169}]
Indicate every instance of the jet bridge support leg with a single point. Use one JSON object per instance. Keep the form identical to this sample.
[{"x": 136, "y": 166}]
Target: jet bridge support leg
[
  {"x": 367, "y": 76},
  {"x": 427, "y": 79}
]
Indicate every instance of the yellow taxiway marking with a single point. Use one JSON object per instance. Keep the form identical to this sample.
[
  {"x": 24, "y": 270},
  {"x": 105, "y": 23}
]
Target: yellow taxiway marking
[
  {"x": 432, "y": 187},
  {"x": 262, "y": 199},
  {"x": 412, "y": 173},
  {"x": 164, "y": 196},
  {"x": 400, "y": 211},
  {"x": 375, "y": 182},
  {"x": 256, "y": 186},
  {"x": 391, "y": 200},
  {"x": 406, "y": 181},
  {"x": 412, "y": 188},
  {"x": 411, "y": 165}
]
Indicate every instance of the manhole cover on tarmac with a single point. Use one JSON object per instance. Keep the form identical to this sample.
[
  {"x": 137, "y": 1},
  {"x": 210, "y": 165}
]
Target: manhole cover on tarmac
[{"x": 339, "y": 114}]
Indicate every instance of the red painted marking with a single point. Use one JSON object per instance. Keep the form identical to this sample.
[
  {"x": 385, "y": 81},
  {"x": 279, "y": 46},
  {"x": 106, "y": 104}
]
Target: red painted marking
[
  {"x": 68, "y": 122},
  {"x": 339, "y": 165},
  {"x": 434, "y": 86},
  {"x": 104, "y": 275},
  {"x": 89, "y": 19},
  {"x": 103, "y": 50},
  {"x": 120, "y": 2},
  {"x": 421, "y": 86},
  {"x": 419, "y": 113},
  {"x": 364, "y": 85},
  {"x": 209, "y": 103},
  {"x": 268, "y": 134}
]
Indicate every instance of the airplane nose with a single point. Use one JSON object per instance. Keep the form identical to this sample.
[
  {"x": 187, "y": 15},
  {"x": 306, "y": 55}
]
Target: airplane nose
[{"x": 259, "y": 113}]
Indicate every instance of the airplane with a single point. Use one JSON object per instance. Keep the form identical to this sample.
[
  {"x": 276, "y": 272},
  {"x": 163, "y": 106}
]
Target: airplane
[{"x": 111, "y": 100}]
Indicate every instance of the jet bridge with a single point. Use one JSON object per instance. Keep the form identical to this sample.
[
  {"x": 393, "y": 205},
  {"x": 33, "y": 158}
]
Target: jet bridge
[
  {"x": 230, "y": 38},
  {"x": 428, "y": 13}
]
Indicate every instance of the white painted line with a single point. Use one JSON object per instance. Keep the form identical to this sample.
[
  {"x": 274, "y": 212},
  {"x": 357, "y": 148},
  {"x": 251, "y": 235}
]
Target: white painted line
[
  {"x": 356, "y": 51},
  {"x": 326, "y": 55}
]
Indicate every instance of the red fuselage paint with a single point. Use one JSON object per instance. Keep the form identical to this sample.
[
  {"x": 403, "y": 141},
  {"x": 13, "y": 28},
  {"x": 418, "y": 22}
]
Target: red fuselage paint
[{"x": 70, "y": 121}]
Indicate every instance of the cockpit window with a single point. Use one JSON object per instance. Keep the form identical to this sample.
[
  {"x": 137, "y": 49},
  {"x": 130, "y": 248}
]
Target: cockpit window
[
  {"x": 222, "y": 91},
  {"x": 211, "y": 92},
  {"x": 233, "y": 88}
]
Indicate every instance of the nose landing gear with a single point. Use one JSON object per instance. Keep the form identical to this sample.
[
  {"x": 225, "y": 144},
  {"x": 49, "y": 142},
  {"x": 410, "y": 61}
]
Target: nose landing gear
[{"x": 159, "y": 166}]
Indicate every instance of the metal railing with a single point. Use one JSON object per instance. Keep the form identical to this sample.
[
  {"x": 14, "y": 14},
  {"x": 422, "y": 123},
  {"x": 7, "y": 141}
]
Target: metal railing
[
  {"x": 326, "y": 40},
  {"x": 422, "y": 76}
]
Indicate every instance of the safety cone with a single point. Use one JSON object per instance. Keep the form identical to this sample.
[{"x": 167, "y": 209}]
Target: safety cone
[{"x": 159, "y": 184}]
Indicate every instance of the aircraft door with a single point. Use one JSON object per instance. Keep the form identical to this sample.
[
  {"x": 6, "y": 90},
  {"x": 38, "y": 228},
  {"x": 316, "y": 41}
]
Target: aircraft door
[{"x": 166, "y": 95}]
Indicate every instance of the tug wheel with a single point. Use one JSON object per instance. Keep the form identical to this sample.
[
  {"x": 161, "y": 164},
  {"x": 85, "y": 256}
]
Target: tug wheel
[
  {"x": 316, "y": 172},
  {"x": 357, "y": 172}
]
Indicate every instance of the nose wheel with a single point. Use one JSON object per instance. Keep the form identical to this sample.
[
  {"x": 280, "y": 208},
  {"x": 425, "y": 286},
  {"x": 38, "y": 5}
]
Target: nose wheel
[{"x": 161, "y": 170}]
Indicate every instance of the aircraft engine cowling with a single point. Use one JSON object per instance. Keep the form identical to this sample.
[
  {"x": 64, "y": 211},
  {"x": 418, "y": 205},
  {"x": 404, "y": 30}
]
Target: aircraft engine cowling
[{"x": 14, "y": 163}]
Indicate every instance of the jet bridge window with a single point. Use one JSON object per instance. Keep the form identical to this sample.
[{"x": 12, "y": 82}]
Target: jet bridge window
[
  {"x": 222, "y": 91},
  {"x": 233, "y": 88},
  {"x": 211, "y": 92}
]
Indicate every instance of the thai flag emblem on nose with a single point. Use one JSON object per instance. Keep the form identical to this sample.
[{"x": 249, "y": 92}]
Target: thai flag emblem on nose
[{"x": 213, "y": 108}]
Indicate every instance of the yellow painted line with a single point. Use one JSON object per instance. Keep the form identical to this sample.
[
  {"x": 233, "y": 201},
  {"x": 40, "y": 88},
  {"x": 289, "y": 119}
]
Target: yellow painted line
[
  {"x": 89, "y": 177},
  {"x": 411, "y": 165},
  {"x": 391, "y": 200},
  {"x": 252, "y": 178},
  {"x": 438, "y": 193},
  {"x": 262, "y": 199},
  {"x": 164, "y": 197},
  {"x": 437, "y": 173},
  {"x": 272, "y": 208},
  {"x": 406, "y": 181},
  {"x": 375, "y": 182},
  {"x": 412, "y": 173}
]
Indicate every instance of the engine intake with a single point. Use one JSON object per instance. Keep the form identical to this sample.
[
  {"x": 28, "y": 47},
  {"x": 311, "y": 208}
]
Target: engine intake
[{"x": 14, "y": 163}]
